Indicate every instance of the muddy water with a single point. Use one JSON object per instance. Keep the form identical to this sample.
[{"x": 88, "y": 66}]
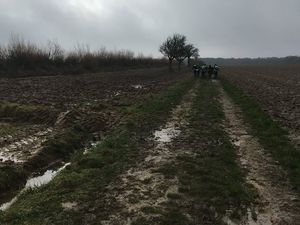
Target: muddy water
[
  {"x": 277, "y": 203},
  {"x": 21, "y": 150},
  {"x": 34, "y": 182},
  {"x": 142, "y": 185}
]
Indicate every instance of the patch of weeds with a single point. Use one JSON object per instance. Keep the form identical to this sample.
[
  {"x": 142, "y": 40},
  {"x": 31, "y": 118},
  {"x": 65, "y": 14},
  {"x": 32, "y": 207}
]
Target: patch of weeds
[
  {"x": 61, "y": 146},
  {"x": 7, "y": 129},
  {"x": 174, "y": 196},
  {"x": 151, "y": 210},
  {"x": 11, "y": 177},
  {"x": 270, "y": 135},
  {"x": 169, "y": 170},
  {"x": 175, "y": 217},
  {"x": 28, "y": 113}
]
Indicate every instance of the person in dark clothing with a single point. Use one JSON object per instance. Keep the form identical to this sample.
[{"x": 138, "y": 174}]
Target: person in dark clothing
[
  {"x": 203, "y": 71},
  {"x": 216, "y": 71},
  {"x": 196, "y": 70},
  {"x": 210, "y": 71}
]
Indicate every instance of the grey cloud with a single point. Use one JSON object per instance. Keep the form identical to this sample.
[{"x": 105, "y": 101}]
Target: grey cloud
[{"x": 228, "y": 28}]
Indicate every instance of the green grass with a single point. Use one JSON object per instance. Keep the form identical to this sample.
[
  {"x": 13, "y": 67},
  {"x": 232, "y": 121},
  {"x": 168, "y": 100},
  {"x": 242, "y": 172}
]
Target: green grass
[
  {"x": 11, "y": 178},
  {"x": 27, "y": 113},
  {"x": 88, "y": 175},
  {"x": 213, "y": 177},
  {"x": 59, "y": 147},
  {"x": 7, "y": 129},
  {"x": 271, "y": 136},
  {"x": 210, "y": 180}
]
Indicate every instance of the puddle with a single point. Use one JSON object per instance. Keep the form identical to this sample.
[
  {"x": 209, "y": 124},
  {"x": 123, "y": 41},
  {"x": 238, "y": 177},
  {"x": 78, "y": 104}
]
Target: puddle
[
  {"x": 34, "y": 182},
  {"x": 19, "y": 151},
  {"x": 137, "y": 86},
  {"x": 6, "y": 157},
  {"x": 166, "y": 135},
  {"x": 90, "y": 147}
]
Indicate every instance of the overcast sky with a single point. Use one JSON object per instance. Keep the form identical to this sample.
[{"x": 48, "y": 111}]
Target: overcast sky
[{"x": 219, "y": 28}]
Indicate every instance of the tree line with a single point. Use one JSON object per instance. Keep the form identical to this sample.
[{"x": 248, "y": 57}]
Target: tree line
[
  {"x": 253, "y": 61},
  {"x": 177, "y": 48},
  {"x": 21, "y": 58}
]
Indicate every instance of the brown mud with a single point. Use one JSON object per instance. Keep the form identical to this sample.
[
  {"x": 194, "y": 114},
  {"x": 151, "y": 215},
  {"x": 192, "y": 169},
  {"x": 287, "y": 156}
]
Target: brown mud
[
  {"x": 277, "y": 202},
  {"x": 22, "y": 150}
]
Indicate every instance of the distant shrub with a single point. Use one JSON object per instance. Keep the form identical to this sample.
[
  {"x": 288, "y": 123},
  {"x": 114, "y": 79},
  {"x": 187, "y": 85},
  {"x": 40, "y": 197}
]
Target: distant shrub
[{"x": 20, "y": 57}]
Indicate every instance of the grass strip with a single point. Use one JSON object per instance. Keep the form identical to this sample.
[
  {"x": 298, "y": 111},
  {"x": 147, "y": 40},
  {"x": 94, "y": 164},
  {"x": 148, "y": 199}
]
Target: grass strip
[
  {"x": 91, "y": 173},
  {"x": 210, "y": 179},
  {"x": 270, "y": 135}
]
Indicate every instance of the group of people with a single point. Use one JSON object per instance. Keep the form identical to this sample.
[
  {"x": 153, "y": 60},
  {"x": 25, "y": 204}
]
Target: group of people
[{"x": 212, "y": 71}]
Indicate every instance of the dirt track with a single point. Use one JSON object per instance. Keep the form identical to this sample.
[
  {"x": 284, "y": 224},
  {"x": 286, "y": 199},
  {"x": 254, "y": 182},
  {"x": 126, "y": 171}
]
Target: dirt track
[
  {"x": 143, "y": 186},
  {"x": 277, "y": 202}
]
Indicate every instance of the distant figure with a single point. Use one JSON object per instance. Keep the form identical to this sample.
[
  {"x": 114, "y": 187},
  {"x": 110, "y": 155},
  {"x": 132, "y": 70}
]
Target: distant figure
[
  {"x": 203, "y": 70},
  {"x": 210, "y": 71},
  {"x": 196, "y": 70},
  {"x": 216, "y": 71}
]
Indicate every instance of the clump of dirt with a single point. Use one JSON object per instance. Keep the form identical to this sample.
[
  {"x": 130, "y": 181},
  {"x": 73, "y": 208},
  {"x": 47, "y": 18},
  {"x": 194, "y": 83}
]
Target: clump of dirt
[
  {"x": 67, "y": 119},
  {"x": 277, "y": 203},
  {"x": 95, "y": 122}
]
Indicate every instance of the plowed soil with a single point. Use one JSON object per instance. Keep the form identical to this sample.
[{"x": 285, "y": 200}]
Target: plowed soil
[{"x": 276, "y": 88}]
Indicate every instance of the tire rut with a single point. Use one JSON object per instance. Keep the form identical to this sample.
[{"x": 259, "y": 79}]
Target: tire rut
[
  {"x": 144, "y": 186},
  {"x": 277, "y": 203}
]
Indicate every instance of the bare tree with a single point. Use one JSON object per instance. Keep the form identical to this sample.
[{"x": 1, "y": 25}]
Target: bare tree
[
  {"x": 180, "y": 48},
  {"x": 55, "y": 52},
  {"x": 174, "y": 48},
  {"x": 168, "y": 50},
  {"x": 191, "y": 51}
]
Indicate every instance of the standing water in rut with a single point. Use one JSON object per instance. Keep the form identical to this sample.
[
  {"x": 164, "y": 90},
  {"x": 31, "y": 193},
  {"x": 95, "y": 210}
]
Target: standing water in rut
[{"x": 34, "y": 182}]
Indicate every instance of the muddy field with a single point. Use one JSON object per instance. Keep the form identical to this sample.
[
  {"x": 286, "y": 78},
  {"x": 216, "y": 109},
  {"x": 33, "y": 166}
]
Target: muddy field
[
  {"x": 39, "y": 116},
  {"x": 90, "y": 89},
  {"x": 276, "y": 88}
]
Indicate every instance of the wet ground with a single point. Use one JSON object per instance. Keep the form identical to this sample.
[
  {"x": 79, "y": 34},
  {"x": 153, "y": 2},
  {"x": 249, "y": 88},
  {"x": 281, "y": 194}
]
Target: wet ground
[
  {"x": 143, "y": 185},
  {"x": 91, "y": 101},
  {"x": 146, "y": 192},
  {"x": 20, "y": 148},
  {"x": 33, "y": 183},
  {"x": 277, "y": 202}
]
